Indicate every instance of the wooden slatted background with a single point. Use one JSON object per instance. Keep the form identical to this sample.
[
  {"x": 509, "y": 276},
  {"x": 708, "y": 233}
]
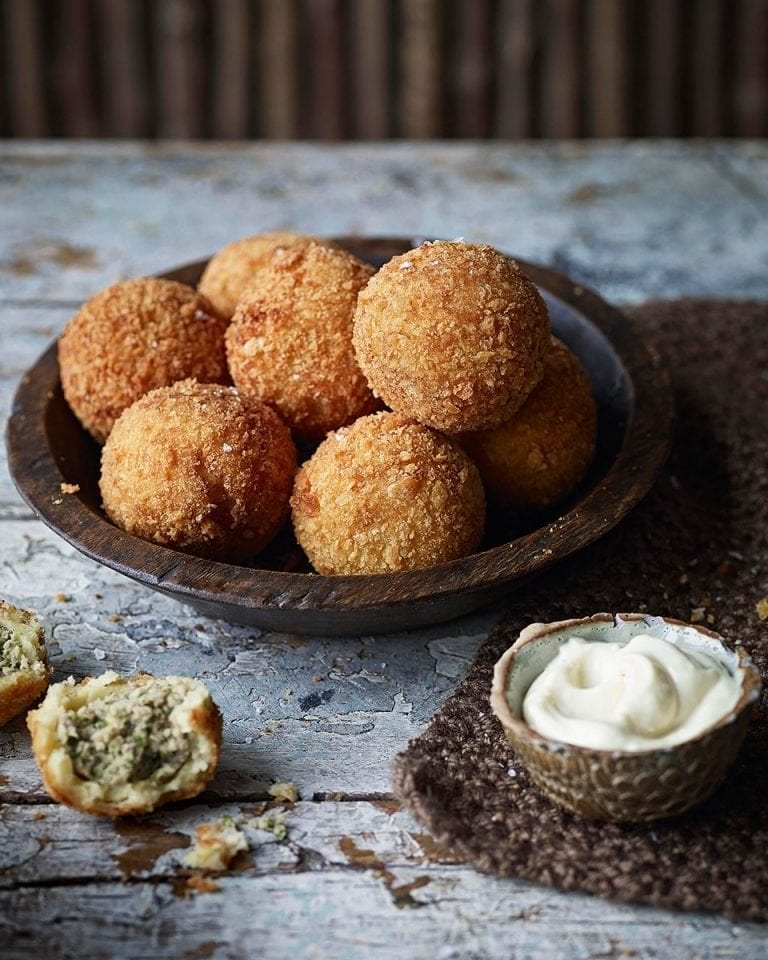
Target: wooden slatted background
[{"x": 374, "y": 69}]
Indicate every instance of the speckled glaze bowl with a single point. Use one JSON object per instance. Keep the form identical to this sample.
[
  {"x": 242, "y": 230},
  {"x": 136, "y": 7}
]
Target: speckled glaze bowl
[{"x": 620, "y": 786}]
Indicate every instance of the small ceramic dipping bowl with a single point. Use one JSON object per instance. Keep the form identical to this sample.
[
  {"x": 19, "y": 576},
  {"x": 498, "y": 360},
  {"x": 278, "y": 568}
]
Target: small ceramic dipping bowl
[{"x": 621, "y": 785}]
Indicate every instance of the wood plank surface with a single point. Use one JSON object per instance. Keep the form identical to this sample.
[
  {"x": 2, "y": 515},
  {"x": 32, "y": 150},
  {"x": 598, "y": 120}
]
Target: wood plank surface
[
  {"x": 370, "y": 69},
  {"x": 279, "y": 69},
  {"x": 605, "y": 214},
  {"x": 515, "y": 52},
  {"x": 356, "y": 876}
]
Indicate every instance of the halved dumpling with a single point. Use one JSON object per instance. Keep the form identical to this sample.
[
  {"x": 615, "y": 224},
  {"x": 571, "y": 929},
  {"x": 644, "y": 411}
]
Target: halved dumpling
[
  {"x": 118, "y": 746},
  {"x": 23, "y": 664}
]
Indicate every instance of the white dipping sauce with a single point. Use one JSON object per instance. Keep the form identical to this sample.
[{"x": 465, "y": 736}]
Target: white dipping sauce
[{"x": 639, "y": 694}]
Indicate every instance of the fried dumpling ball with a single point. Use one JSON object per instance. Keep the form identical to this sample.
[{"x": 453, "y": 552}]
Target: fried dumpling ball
[
  {"x": 198, "y": 467},
  {"x": 115, "y": 746},
  {"x": 452, "y": 334},
  {"x": 23, "y": 663},
  {"x": 290, "y": 340},
  {"x": 387, "y": 493},
  {"x": 133, "y": 337},
  {"x": 239, "y": 265},
  {"x": 544, "y": 450}
]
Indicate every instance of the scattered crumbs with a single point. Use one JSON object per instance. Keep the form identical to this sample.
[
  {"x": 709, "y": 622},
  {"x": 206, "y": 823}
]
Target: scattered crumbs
[
  {"x": 249, "y": 739},
  {"x": 698, "y": 615},
  {"x": 98, "y": 596},
  {"x": 216, "y": 845},
  {"x": 70, "y": 488},
  {"x": 99, "y": 653},
  {"x": 200, "y": 884},
  {"x": 665, "y": 595},
  {"x": 335, "y": 796},
  {"x": 70, "y": 681},
  {"x": 274, "y": 823},
  {"x": 226, "y": 447},
  {"x": 289, "y": 692},
  {"x": 114, "y": 618},
  {"x": 683, "y": 578},
  {"x": 61, "y": 598},
  {"x": 762, "y": 608},
  {"x": 284, "y": 791},
  {"x": 710, "y": 619},
  {"x": 58, "y": 500},
  {"x": 512, "y": 772},
  {"x": 39, "y": 815},
  {"x": 316, "y": 678}
]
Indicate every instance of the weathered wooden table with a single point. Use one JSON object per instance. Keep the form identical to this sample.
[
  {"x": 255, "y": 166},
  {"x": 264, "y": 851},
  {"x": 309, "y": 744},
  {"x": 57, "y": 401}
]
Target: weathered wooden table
[{"x": 355, "y": 877}]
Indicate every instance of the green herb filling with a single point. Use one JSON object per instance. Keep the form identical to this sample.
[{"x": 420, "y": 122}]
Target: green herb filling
[
  {"x": 128, "y": 736},
  {"x": 14, "y": 653}
]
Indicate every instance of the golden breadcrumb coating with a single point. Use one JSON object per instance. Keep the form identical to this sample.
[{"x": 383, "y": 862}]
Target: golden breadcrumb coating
[
  {"x": 133, "y": 337},
  {"x": 451, "y": 334},
  {"x": 387, "y": 494},
  {"x": 290, "y": 340},
  {"x": 239, "y": 265},
  {"x": 198, "y": 467},
  {"x": 544, "y": 450},
  {"x": 24, "y": 670},
  {"x": 116, "y": 746}
]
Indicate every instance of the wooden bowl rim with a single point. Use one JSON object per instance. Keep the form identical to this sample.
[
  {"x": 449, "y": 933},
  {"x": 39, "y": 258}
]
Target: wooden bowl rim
[{"x": 645, "y": 447}]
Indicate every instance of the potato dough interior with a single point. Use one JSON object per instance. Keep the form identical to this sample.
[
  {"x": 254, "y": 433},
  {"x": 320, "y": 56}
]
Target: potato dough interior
[
  {"x": 23, "y": 664},
  {"x": 119, "y": 746}
]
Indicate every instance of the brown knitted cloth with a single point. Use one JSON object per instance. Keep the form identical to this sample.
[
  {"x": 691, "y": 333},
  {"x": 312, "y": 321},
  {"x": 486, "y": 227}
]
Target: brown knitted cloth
[{"x": 699, "y": 540}]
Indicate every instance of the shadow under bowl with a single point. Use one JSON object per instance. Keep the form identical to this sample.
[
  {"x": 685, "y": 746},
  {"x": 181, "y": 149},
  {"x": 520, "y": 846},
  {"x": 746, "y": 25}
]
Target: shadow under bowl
[{"x": 48, "y": 447}]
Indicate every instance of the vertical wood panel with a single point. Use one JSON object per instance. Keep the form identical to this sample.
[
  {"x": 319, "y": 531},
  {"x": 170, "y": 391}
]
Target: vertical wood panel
[
  {"x": 663, "y": 94},
  {"x": 179, "y": 68},
  {"x": 559, "y": 109},
  {"x": 230, "y": 66},
  {"x": 515, "y": 60},
  {"x": 373, "y": 68},
  {"x": 126, "y": 83},
  {"x": 326, "y": 74},
  {"x": 419, "y": 90},
  {"x": 371, "y": 38},
  {"x": 22, "y": 42},
  {"x": 473, "y": 70},
  {"x": 750, "y": 88},
  {"x": 280, "y": 73},
  {"x": 606, "y": 51},
  {"x": 706, "y": 83},
  {"x": 74, "y": 70}
]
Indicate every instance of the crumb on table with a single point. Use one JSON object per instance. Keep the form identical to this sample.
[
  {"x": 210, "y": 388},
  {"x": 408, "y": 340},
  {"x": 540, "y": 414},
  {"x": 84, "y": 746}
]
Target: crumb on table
[
  {"x": 284, "y": 791},
  {"x": 216, "y": 845}
]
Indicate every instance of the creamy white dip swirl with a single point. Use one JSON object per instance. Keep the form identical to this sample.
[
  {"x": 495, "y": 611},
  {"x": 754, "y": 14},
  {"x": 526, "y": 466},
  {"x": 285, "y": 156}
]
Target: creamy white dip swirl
[{"x": 639, "y": 694}]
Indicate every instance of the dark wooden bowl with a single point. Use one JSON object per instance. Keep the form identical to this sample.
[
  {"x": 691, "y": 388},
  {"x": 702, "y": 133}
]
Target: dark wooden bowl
[{"x": 48, "y": 447}]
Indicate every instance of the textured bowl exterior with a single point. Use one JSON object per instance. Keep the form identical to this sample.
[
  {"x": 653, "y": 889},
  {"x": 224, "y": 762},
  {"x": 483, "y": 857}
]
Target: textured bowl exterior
[{"x": 624, "y": 786}]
